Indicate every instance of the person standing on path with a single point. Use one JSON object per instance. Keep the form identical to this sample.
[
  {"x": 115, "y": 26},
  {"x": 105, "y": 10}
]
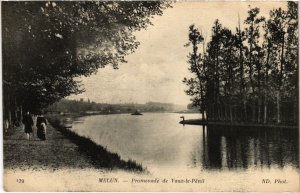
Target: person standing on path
[
  {"x": 41, "y": 123},
  {"x": 28, "y": 123}
]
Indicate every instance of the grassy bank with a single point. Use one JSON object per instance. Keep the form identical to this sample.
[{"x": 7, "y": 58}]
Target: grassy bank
[
  {"x": 100, "y": 156},
  {"x": 235, "y": 124}
]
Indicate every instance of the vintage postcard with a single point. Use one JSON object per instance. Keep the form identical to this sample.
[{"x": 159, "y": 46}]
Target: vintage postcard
[{"x": 146, "y": 96}]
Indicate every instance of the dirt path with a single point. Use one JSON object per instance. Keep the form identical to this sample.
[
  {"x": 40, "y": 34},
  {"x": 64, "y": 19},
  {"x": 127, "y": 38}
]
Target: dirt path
[{"x": 56, "y": 152}]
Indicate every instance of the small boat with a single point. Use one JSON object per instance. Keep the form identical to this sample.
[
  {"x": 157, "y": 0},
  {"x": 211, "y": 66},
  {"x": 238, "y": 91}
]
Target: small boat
[{"x": 136, "y": 113}]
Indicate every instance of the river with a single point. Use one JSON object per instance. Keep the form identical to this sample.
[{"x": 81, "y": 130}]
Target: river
[{"x": 161, "y": 144}]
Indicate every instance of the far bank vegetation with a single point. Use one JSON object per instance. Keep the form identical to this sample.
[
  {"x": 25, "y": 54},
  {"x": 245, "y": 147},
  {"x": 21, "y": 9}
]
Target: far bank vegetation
[{"x": 249, "y": 74}]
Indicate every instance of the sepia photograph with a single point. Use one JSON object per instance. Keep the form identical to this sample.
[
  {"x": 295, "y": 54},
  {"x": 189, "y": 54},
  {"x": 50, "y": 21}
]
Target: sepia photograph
[{"x": 150, "y": 96}]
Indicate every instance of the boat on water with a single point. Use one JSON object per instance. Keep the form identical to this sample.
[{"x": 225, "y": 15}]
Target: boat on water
[{"x": 136, "y": 113}]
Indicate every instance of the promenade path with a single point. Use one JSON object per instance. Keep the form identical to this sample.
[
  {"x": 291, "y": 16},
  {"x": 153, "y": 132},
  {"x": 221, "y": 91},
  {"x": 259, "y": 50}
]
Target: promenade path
[{"x": 56, "y": 152}]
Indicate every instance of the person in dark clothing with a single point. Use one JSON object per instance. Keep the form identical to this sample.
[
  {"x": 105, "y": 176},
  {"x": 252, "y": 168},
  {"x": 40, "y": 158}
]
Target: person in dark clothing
[
  {"x": 28, "y": 123},
  {"x": 41, "y": 124}
]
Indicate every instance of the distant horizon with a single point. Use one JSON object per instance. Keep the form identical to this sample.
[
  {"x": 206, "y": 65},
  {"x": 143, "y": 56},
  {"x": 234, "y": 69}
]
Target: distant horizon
[{"x": 86, "y": 100}]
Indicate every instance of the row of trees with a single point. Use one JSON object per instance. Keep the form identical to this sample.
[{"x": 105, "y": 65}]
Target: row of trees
[
  {"x": 250, "y": 74},
  {"x": 47, "y": 45}
]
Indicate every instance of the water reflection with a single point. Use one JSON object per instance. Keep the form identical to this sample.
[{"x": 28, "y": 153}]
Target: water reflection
[
  {"x": 232, "y": 148},
  {"x": 163, "y": 145}
]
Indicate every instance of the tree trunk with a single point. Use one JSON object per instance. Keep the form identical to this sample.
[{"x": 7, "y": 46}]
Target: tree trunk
[
  {"x": 230, "y": 112},
  {"x": 280, "y": 81},
  {"x": 266, "y": 85},
  {"x": 250, "y": 69},
  {"x": 253, "y": 112},
  {"x": 234, "y": 114},
  {"x": 265, "y": 108},
  {"x": 296, "y": 111},
  {"x": 21, "y": 113},
  {"x": 213, "y": 112},
  {"x": 245, "y": 110},
  {"x": 9, "y": 118},
  {"x": 259, "y": 110},
  {"x": 278, "y": 106},
  {"x": 265, "y": 98},
  {"x": 209, "y": 113},
  {"x": 225, "y": 112},
  {"x": 202, "y": 111},
  {"x": 219, "y": 111},
  {"x": 202, "y": 98}
]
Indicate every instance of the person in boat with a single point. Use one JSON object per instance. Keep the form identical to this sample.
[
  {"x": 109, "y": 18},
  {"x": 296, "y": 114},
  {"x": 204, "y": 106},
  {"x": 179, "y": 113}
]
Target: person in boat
[{"x": 41, "y": 124}]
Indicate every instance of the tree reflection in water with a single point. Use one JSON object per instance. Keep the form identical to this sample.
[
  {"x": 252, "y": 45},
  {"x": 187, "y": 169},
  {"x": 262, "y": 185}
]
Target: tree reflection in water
[{"x": 243, "y": 148}]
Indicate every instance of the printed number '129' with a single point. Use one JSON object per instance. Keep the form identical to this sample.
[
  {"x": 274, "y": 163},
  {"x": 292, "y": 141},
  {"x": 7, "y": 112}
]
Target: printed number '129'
[{"x": 21, "y": 181}]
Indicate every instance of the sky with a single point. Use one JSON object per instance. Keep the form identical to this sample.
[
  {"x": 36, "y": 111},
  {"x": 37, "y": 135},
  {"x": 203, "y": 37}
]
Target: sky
[{"x": 156, "y": 70}]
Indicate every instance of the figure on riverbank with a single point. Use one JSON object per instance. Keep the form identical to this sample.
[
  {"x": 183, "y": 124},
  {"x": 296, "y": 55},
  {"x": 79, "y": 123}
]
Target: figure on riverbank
[
  {"x": 28, "y": 123},
  {"x": 41, "y": 124}
]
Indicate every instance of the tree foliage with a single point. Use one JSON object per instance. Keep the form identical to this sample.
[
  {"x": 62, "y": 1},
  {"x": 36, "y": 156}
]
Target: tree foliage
[
  {"x": 251, "y": 74},
  {"x": 47, "y": 45}
]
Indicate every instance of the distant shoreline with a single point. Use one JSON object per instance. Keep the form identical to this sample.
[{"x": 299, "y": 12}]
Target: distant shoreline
[{"x": 82, "y": 114}]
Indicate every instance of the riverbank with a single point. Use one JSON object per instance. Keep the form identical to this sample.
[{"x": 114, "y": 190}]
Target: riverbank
[
  {"x": 62, "y": 149},
  {"x": 99, "y": 155},
  {"x": 228, "y": 124}
]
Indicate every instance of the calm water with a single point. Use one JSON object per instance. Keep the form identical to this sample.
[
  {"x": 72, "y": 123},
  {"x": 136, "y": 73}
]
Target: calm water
[{"x": 160, "y": 143}]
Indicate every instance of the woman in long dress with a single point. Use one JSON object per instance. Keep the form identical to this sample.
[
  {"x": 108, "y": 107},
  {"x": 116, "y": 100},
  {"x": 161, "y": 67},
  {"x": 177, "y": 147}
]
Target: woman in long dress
[
  {"x": 41, "y": 124},
  {"x": 28, "y": 123}
]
